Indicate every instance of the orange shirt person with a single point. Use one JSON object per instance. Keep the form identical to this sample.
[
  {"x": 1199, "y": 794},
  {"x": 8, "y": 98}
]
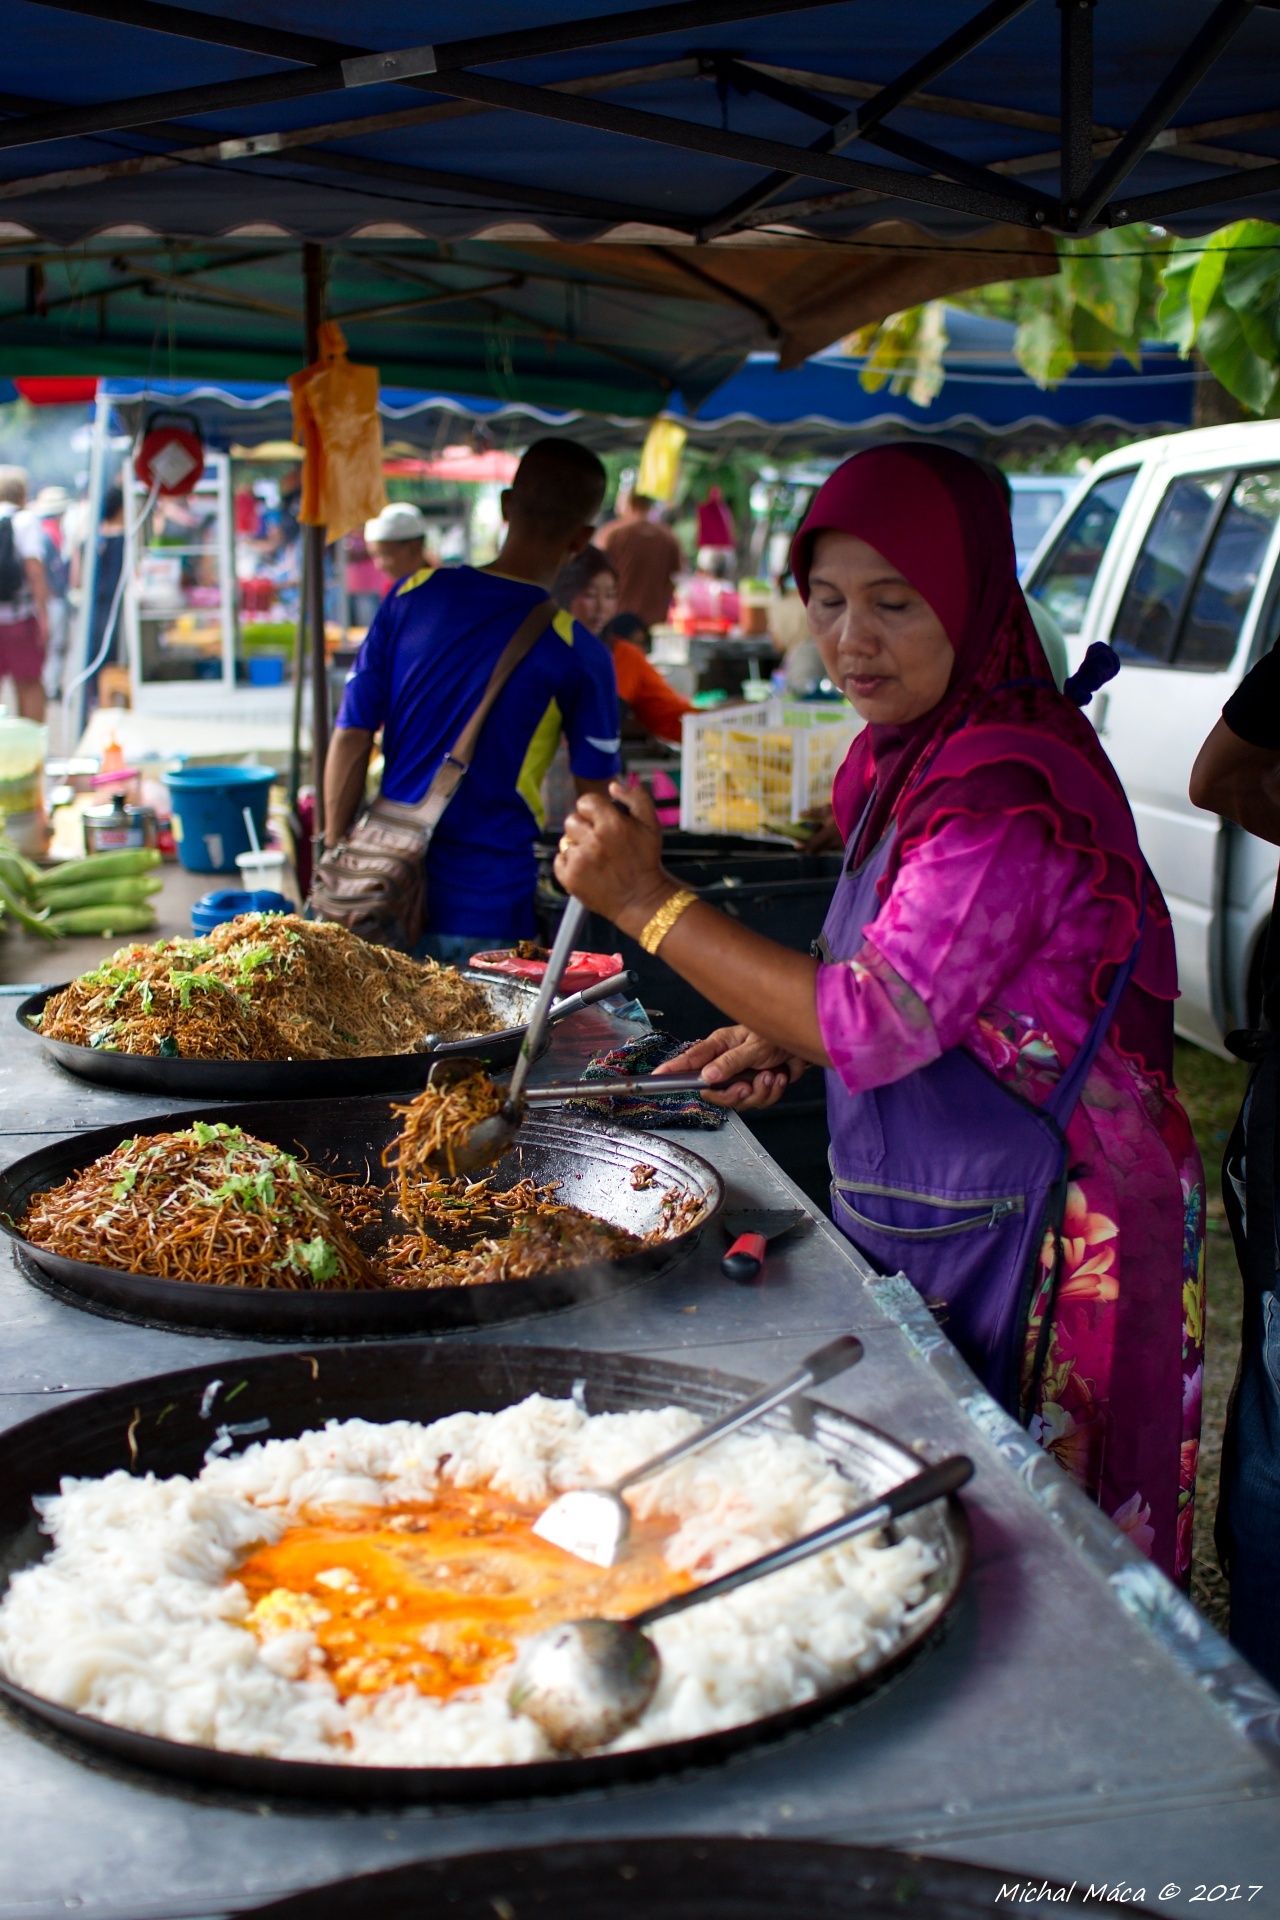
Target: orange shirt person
[{"x": 588, "y": 589}]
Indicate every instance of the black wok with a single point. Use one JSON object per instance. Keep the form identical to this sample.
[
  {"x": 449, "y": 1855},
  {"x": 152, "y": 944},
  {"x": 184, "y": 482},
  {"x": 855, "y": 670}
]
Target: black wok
[
  {"x": 590, "y": 1159},
  {"x": 164, "y": 1426},
  {"x": 511, "y": 1000},
  {"x": 671, "y": 1877}
]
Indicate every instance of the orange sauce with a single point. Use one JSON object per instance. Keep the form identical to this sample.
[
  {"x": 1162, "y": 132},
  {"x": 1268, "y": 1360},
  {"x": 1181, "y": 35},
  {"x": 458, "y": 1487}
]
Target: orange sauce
[{"x": 437, "y": 1593}]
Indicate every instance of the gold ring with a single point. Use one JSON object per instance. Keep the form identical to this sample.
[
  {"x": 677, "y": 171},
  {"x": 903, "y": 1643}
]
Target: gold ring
[{"x": 564, "y": 843}]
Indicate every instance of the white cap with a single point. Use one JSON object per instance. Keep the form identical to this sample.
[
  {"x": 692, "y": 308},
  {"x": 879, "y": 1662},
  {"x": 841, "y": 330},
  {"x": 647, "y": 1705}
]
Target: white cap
[{"x": 399, "y": 521}]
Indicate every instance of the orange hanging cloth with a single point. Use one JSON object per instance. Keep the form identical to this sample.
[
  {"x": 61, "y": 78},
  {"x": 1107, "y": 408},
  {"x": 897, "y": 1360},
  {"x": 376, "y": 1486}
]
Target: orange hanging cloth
[{"x": 335, "y": 420}]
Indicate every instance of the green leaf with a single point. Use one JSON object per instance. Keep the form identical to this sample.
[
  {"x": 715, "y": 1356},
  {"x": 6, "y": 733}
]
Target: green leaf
[
  {"x": 1044, "y": 349},
  {"x": 1232, "y": 361},
  {"x": 1103, "y": 275},
  {"x": 315, "y": 1257},
  {"x": 168, "y": 1047}
]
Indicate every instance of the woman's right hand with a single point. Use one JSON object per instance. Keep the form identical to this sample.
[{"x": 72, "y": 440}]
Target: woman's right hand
[{"x": 761, "y": 1071}]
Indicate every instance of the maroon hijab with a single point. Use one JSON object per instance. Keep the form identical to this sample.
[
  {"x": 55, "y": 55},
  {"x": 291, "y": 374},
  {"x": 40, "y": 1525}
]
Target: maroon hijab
[{"x": 1001, "y": 739}]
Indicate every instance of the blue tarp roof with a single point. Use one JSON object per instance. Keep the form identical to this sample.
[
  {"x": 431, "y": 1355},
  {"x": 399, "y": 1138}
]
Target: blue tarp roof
[
  {"x": 984, "y": 388},
  {"x": 581, "y": 118}
]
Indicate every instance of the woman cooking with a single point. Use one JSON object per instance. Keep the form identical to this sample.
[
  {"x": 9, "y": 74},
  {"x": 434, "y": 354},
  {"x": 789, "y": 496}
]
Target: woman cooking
[{"x": 993, "y": 1000}]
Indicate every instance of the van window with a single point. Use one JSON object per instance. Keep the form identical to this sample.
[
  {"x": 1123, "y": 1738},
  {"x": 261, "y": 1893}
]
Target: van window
[
  {"x": 1230, "y": 573},
  {"x": 1064, "y": 579},
  {"x": 1151, "y": 611}
]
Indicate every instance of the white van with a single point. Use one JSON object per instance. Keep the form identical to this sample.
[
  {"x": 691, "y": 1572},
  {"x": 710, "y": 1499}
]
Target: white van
[{"x": 1170, "y": 550}]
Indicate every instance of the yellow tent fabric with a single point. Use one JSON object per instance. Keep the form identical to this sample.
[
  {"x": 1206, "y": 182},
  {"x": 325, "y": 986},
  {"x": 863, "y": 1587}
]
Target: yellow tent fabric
[{"x": 335, "y": 418}]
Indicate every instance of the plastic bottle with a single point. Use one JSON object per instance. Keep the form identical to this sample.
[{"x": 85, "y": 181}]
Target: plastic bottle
[{"x": 22, "y": 751}]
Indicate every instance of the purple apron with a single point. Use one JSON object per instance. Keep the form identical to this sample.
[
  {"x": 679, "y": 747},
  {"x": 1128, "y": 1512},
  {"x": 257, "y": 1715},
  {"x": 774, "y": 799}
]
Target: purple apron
[{"x": 952, "y": 1178}]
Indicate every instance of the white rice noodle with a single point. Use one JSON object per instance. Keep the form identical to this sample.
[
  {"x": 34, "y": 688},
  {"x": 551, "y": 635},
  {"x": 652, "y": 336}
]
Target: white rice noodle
[{"x": 136, "y": 1617}]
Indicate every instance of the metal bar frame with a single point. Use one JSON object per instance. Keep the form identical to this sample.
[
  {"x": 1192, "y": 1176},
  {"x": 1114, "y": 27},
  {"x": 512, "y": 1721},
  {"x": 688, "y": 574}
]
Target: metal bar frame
[
  {"x": 697, "y": 137},
  {"x": 331, "y": 74},
  {"x": 1076, "y": 116},
  {"x": 1187, "y": 71},
  {"x": 987, "y": 192}
]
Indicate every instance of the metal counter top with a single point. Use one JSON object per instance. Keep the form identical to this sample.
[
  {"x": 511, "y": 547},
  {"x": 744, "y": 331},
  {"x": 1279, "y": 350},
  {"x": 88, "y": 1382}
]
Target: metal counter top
[{"x": 1080, "y": 1721}]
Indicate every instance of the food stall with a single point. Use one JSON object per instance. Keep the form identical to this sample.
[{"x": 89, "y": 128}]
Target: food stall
[{"x": 1072, "y": 1720}]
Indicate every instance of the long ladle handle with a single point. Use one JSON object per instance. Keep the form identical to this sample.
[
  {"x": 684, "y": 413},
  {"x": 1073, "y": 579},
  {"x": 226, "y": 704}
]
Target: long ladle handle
[
  {"x": 922, "y": 1488},
  {"x": 654, "y": 1083},
  {"x": 825, "y": 1364},
  {"x": 566, "y": 939}
]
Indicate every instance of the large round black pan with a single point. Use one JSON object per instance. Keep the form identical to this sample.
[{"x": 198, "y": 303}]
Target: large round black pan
[
  {"x": 164, "y": 1426},
  {"x": 591, "y": 1160},
  {"x": 671, "y": 1877},
  {"x": 511, "y": 1000}
]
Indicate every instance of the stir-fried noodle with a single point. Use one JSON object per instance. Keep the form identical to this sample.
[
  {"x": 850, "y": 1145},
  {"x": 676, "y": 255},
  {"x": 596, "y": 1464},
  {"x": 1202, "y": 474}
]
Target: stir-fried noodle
[{"x": 266, "y": 987}]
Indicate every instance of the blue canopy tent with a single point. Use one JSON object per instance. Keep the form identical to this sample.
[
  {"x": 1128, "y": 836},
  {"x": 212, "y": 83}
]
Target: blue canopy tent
[{"x": 685, "y": 121}]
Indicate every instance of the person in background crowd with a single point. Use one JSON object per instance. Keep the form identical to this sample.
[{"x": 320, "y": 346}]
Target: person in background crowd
[
  {"x": 23, "y": 595},
  {"x": 397, "y": 539},
  {"x": 1053, "y": 642},
  {"x": 646, "y": 559},
  {"x": 49, "y": 507},
  {"x": 1237, "y": 775},
  {"x": 420, "y": 674},
  {"x": 588, "y": 588},
  {"x": 106, "y": 578}
]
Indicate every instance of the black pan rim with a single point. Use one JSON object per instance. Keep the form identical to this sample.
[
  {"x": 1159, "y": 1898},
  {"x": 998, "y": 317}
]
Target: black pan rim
[
  {"x": 268, "y": 1079},
  {"x": 257, "y": 1313},
  {"x": 240, "y": 1774}
]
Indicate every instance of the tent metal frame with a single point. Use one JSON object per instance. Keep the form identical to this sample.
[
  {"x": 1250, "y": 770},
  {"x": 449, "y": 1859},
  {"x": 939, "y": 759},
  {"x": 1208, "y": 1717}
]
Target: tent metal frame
[{"x": 1094, "y": 163}]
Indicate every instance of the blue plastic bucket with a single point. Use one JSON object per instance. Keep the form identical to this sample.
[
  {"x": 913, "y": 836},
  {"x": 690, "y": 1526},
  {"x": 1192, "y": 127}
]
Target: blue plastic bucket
[
  {"x": 266, "y": 670},
  {"x": 208, "y": 814},
  {"x": 211, "y": 909}
]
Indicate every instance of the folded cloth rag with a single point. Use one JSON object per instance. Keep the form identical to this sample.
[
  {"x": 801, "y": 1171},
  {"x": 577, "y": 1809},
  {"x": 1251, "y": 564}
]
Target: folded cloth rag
[{"x": 645, "y": 1110}]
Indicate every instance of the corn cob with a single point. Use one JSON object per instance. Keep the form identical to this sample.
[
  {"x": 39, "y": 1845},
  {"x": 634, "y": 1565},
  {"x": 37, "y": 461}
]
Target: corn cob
[
  {"x": 106, "y": 920},
  {"x": 103, "y": 893},
  {"x": 126, "y": 861}
]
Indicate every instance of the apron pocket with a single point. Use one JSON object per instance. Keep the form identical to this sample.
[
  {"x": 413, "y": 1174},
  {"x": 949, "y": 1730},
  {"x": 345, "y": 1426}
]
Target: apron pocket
[{"x": 905, "y": 1215}]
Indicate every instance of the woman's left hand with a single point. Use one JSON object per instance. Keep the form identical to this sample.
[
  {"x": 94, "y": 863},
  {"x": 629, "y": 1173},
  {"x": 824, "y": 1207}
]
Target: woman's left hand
[{"x": 611, "y": 856}]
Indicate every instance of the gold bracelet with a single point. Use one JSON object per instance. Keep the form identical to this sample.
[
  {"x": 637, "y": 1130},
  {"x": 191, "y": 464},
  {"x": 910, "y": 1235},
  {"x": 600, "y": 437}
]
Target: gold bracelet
[{"x": 655, "y": 931}]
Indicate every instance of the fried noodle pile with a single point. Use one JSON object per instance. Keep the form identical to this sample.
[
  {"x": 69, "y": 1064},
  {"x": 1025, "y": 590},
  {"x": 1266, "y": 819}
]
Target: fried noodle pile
[
  {"x": 215, "y": 1206},
  {"x": 265, "y": 987}
]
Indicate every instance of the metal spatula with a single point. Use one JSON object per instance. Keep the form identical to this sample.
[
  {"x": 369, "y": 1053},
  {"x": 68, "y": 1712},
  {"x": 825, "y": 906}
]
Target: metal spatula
[{"x": 593, "y": 1522}]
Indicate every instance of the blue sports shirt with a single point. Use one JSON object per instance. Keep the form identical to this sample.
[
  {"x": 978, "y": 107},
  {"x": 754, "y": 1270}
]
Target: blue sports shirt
[{"x": 421, "y": 671}]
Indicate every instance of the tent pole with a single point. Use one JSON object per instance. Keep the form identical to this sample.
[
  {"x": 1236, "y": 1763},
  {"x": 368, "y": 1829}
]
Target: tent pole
[
  {"x": 313, "y": 275},
  {"x": 299, "y": 676}
]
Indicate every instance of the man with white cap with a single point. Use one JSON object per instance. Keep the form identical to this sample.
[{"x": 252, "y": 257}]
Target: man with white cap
[{"x": 397, "y": 540}]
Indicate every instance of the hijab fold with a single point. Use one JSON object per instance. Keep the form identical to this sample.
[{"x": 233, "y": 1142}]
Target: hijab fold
[{"x": 1001, "y": 739}]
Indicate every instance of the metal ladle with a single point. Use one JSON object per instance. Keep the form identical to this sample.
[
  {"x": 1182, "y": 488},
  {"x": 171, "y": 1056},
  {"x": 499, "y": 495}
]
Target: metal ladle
[
  {"x": 489, "y": 1139},
  {"x": 587, "y": 1681}
]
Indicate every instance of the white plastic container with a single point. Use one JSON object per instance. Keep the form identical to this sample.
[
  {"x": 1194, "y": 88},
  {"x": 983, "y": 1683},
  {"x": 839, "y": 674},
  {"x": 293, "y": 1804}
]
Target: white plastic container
[{"x": 268, "y": 869}]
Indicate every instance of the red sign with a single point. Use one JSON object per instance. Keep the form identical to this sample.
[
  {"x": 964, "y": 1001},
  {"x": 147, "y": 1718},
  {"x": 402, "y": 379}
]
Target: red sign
[{"x": 170, "y": 454}]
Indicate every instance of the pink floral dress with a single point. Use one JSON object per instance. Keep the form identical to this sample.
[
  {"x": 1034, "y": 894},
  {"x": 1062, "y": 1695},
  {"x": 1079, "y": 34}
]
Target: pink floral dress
[{"x": 989, "y": 940}]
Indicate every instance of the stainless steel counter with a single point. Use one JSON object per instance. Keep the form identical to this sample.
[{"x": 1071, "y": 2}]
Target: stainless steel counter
[{"x": 1080, "y": 1720}]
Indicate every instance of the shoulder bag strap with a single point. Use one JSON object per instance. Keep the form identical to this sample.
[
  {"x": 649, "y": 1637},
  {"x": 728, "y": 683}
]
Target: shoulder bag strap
[{"x": 449, "y": 773}]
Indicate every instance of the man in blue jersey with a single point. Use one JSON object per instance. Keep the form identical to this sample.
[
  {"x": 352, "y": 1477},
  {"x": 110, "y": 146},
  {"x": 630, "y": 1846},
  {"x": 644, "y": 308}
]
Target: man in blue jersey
[{"x": 421, "y": 672}]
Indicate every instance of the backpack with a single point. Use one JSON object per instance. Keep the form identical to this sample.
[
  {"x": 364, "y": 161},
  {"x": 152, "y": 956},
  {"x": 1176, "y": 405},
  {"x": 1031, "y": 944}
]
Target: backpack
[{"x": 13, "y": 575}]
